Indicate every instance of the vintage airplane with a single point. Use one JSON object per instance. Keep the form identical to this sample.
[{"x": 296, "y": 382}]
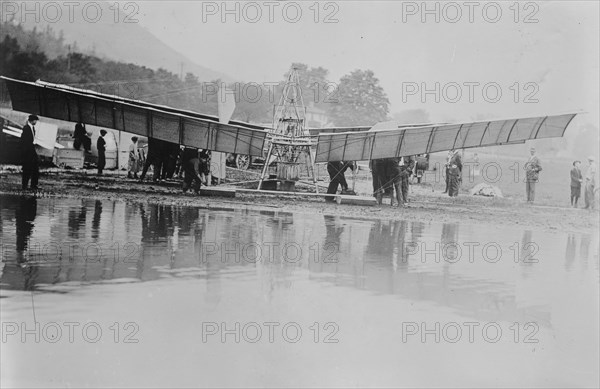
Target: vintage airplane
[{"x": 383, "y": 140}]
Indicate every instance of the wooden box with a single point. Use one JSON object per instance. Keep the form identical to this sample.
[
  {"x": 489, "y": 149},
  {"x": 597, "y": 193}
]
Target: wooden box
[{"x": 70, "y": 157}]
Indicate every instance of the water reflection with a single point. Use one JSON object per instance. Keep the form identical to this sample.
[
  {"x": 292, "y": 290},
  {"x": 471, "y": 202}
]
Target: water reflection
[
  {"x": 25, "y": 212},
  {"x": 570, "y": 252},
  {"x": 56, "y": 242}
]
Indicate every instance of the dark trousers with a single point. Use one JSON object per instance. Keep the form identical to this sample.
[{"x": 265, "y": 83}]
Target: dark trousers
[
  {"x": 453, "y": 185},
  {"x": 575, "y": 194},
  {"x": 101, "y": 161},
  {"x": 382, "y": 183},
  {"x": 85, "y": 141},
  {"x": 399, "y": 179},
  {"x": 588, "y": 196},
  {"x": 156, "y": 162},
  {"x": 168, "y": 167},
  {"x": 31, "y": 170},
  {"x": 336, "y": 178},
  {"x": 530, "y": 190},
  {"x": 404, "y": 187},
  {"x": 192, "y": 175}
]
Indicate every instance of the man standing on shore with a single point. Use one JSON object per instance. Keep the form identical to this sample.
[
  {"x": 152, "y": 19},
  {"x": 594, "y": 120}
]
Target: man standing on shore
[
  {"x": 405, "y": 170},
  {"x": 134, "y": 158},
  {"x": 454, "y": 174},
  {"x": 576, "y": 180},
  {"x": 533, "y": 167},
  {"x": 29, "y": 156},
  {"x": 101, "y": 146},
  {"x": 590, "y": 183}
]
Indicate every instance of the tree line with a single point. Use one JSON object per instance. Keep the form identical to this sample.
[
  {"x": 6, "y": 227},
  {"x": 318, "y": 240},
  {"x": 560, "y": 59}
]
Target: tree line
[{"x": 356, "y": 99}]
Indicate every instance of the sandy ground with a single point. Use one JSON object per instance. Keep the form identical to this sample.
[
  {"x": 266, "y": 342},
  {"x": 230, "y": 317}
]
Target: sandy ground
[{"x": 427, "y": 203}]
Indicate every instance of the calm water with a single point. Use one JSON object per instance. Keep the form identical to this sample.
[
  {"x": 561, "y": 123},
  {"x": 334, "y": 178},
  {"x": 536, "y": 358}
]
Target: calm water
[{"x": 148, "y": 295}]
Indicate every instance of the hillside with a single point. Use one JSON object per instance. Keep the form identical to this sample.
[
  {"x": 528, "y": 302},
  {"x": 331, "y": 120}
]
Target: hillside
[{"x": 122, "y": 42}]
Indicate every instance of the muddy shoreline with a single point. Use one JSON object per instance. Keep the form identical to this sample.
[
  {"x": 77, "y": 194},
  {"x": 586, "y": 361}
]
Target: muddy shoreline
[{"x": 425, "y": 205}]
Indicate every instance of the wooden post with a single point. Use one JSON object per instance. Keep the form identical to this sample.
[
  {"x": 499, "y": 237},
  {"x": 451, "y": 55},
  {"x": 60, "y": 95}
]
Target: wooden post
[
  {"x": 266, "y": 166},
  {"x": 312, "y": 165}
]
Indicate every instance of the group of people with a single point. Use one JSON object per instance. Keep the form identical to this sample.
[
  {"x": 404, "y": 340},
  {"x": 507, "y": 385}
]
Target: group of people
[
  {"x": 82, "y": 138},
  {"x": 168, "y": 160},
  {"x": 533, "y": 167},
  {"x": 390, "y": 175},
  {"x": 589, "y": 182}
]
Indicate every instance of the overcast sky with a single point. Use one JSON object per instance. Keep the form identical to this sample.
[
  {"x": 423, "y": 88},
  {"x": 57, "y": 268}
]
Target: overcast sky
[{"x": 556, "y": 53}]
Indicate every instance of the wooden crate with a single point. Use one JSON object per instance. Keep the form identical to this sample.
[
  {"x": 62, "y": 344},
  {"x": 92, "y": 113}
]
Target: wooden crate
[{"x": 70, "y": 157}]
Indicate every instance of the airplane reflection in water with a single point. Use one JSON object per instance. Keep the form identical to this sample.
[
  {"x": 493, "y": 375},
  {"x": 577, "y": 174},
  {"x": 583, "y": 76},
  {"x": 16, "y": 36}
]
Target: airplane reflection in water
[{"x": 49, "y": 242}]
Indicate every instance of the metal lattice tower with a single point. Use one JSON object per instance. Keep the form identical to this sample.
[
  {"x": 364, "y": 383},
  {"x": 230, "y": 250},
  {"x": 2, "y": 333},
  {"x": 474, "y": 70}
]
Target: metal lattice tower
[
  {"x": 290, "y": 141},
  {"x": 289, "y": 118}
]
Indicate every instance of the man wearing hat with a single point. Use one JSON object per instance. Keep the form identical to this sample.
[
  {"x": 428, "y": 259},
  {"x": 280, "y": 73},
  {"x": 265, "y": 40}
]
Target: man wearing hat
[
  {"x": 29, "y": 156},
  {"x": 576, "y": 180},
  {"x": 590, "y": 183},
  {"x": 101, "y": 146},
  {"x": 533, "y": 167}
]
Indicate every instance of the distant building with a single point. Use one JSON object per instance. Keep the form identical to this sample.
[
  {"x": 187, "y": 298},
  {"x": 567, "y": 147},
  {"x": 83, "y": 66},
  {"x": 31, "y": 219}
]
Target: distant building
[{"x": 315, "y": 116}]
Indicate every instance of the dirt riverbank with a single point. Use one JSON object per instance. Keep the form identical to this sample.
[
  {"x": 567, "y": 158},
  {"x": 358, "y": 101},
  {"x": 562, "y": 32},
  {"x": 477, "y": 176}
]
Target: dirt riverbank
[{"x": 425, "y": 204}]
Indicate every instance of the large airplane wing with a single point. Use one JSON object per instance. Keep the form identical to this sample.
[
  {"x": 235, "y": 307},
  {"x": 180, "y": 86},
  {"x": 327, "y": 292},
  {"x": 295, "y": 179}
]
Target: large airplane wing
[
  {"x": 318, "y": 131},
  {"x": 378, "y": 126},
  {"x": 390, "y": 141},
  {"x": 136, "y": 117}
]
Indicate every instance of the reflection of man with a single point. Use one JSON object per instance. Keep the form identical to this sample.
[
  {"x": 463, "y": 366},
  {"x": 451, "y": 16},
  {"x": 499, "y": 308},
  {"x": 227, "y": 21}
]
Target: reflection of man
[
  {"x": 590, "y": 183},
  {"x": 570, "y": 253},
  {"x": 29, "y": 156},
  {"x": 331, "y": 246},
  {"x": 24, "y": 217},
  {"x": 533, "y": 167}
]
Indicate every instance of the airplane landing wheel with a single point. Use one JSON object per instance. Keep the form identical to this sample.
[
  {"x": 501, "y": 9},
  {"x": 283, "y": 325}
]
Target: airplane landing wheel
[{"x": 242, "y": 161}]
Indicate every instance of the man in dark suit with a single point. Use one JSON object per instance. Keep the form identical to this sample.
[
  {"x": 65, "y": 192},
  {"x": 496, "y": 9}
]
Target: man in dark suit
[
  {"x": 533, "y": 167},
  {"x": 101, "y": 146},
  {"x": 29, "y": 156}
]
